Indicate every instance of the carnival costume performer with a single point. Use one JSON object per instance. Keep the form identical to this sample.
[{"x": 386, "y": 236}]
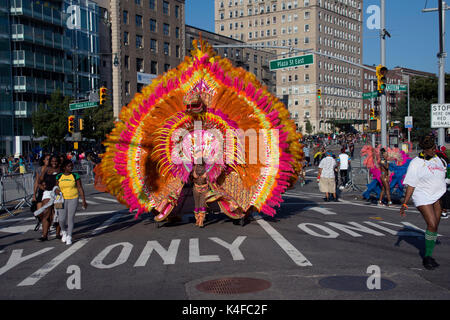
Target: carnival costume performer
[
  {"x": 425, "y": 179},
  {"x": 385, "y": 177},
  {"x": 396, "y": 164},
  {"x": 204, "y": 107}
]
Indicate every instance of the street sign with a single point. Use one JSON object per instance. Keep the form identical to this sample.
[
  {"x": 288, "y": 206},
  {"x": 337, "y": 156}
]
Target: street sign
[
  {"x": 408, "y": 122},
  {"x": 396, "y": 87},
  {"x": 370, "y": 95},
  {"x": 440, "y": 115},
  {"x": 82, "y": 105},
  {"x": 291, "y": 62}
]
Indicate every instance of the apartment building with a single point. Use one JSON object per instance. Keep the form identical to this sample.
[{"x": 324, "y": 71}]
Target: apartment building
[
  {"x": 147, "y": 39},
  {"x": 331, "y": 28},
  {"x": 253, "y": 60},
  {"x": 50, "y": 47}
]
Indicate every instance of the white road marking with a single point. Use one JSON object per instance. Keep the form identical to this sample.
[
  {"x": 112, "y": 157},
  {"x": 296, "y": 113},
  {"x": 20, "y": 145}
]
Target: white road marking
[
  {"x": 298, "y": 258},
  {"x": 324, "y": 211},
  {"x": 18, "y": 229},
  {"x": 90, "y": 202},
  {"x": 42, "y": 272},
  {"x": 107, "y": 199}
]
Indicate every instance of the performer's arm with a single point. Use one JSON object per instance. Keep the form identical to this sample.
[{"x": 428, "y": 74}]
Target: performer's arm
[{"x": 408, "y": 194}]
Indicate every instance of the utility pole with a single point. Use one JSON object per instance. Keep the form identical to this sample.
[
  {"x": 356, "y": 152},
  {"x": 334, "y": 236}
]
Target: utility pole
[
  {"x": 442, "y": 6},
  {"x": 372, "y": 104},
  {"x": 409, "y": 129},
  {"x": 383, "y": 63}
]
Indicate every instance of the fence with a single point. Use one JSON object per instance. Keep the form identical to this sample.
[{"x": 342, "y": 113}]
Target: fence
[{"x": 16, "y": 190}]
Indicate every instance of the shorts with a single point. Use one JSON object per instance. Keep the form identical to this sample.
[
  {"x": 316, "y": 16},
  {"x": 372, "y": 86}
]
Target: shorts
[{"x": 327, "y": 185}]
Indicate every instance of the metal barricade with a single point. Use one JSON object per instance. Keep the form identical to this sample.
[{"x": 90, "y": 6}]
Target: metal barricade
[{"x": 16, "y": 190}]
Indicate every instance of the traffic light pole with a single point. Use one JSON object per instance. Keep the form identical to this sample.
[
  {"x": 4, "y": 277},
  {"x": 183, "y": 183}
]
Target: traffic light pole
[
  {"x": 383, "y": 63},
  {"x": 372, "y": 103},
  {"x": 442, "y": 7}
]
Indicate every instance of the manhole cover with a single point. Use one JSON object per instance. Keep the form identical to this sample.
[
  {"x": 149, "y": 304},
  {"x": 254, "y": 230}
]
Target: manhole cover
[
  {"x": 233, "y": 285},
  {"x": 353, "y": 283}
]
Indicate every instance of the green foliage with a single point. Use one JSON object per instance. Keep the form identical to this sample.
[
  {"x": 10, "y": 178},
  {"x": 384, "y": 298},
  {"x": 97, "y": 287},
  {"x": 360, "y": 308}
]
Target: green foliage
[
  {"x": 98, "y": 122},
  {"x": 423, "y": 92},
  {"x": 51, "y": 121},
  {"x": 308, "y": 127}
]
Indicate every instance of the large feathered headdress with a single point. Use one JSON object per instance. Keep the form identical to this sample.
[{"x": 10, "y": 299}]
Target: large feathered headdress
[{"x": 185, "y": 115}]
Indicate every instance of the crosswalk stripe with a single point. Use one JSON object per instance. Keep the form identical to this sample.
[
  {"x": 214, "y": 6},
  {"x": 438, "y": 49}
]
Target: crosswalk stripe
[
  {"x": 90, "y": 202},
  {"x": 106, "y": 199}
]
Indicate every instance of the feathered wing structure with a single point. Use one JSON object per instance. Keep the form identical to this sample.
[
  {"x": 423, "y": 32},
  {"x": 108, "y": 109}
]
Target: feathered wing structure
[{"x": 160, "y": 134}]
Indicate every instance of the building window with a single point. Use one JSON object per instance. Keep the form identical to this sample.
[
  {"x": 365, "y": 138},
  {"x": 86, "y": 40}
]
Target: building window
[
  {"x": 177, "y": 51},
  {"x": 152, "y": 4},
  {"x": 177, "y": 33},
  {"x": 153, "y": 67},
  {"x": 306, "y": 27},
  {"x": 166, "y": 67},
  {"x": 126, "y": 62},
  {"x": 306, "y": 77},
  {"x": 139, "y": 65},
  {"x": 153, "y": 45},
  {"x": 177, "y": 11},
  {"x": 222, "y": 27},
  {"x": 166, "y": 48},
  {"x": 306, "y": 40},
  {"x": 152, "y": 25},
  {"x": 165, "y": 7},
  {"x": 127, "y": 88},
  {"x": 140, "y": 86},
  {"x": 138, "y": 21},
  {"x": 125, "y": 17},
  {"x": 307, "y": 15},
  {"x": 166, "y": 29},
  {"x": 138, "y": 2},
  {"x": 125, "y": 38},
  {"x": 139, "y": 41}
]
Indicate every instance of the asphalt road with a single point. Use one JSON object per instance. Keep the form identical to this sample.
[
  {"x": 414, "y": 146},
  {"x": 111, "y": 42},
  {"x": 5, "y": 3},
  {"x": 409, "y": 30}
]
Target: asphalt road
[{"x": 310, "y": 250}]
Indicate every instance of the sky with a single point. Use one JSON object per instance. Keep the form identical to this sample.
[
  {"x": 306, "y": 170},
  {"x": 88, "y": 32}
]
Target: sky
[{"x": 414, "y": 41}]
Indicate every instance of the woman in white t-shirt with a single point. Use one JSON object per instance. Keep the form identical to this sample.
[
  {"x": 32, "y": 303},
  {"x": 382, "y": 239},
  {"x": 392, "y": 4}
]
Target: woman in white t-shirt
[{"x": 425, "y": 180}]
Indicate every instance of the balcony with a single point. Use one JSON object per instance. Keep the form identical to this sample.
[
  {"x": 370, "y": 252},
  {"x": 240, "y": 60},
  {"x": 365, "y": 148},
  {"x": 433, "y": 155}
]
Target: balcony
[
  {"x": 41, "y": 37},
  {"x": 24, "y": 58},
  {"x": 36, "y": 10},
  {"x": 41, "y": 86}
]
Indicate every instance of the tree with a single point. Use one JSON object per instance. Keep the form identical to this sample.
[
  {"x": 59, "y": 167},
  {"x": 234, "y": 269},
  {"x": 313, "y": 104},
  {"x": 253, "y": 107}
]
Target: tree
[
  {"x": 308, "y": 127},
  {"x": 423, "y": 93},
  {"x": 98, "y": 122},
  {"x": 50, "y": 121}
]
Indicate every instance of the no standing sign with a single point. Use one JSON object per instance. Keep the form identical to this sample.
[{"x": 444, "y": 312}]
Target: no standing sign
[{"x": 440, "y": 115}]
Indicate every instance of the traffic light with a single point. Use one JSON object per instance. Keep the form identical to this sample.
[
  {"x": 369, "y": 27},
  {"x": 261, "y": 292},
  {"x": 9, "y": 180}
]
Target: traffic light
[
  {"x": 102, "y": 95},
  {"x": 71, "y": 124},
  {"x": 381, "y": 72},
  {"x": 80, "y": 124},
  {"x": 372, "y": 113},
  {"x": 319, "y": 93}
]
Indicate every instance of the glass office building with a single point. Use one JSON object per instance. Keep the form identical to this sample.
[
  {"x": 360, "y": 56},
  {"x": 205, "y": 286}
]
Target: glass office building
[{"x": 53, "y": 45}]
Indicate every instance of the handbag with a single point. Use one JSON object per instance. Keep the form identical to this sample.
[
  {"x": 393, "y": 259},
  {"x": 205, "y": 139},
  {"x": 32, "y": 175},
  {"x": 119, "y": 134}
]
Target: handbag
[
  {"x": 445, "y": 200},
  {"x": 59, "y": 202}
]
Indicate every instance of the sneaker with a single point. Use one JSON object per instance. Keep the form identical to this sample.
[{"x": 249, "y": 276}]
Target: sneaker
[
  {"x": 428, "y": 264},
  {"x": 444, "y": 215},
  {"x": 64, "y": 236},
  {"x": 336, "y": 200},
  {"x": 42, "y": 239},
  {"x": 325, "y": 199},
  {"x": 434, "y": 263},
  {"x": 68, "y": 240}
]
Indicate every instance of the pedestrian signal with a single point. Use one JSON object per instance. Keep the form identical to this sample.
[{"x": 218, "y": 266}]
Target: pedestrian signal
[
  {"x": 102, "y": 95},
  {"x": 319, "y": 93},
  {"x": 71, "y": 124},
  {"x": 381, "y": 72}
]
